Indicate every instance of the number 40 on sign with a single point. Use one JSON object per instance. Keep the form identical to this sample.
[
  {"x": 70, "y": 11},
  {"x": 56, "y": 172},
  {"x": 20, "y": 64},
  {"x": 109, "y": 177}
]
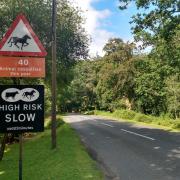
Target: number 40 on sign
[{"x": 23, "y": 62}]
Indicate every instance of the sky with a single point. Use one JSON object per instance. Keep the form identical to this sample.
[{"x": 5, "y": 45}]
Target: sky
[{"x": 104, "y": 20}]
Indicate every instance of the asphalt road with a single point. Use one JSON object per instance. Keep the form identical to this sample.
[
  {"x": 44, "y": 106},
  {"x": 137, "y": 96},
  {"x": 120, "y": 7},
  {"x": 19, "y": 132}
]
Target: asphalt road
[{"x": 127, "y": 151}]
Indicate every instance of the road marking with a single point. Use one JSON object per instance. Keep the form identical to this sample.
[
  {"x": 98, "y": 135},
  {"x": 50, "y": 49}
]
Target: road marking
[
  {"x": 152, "y": 139},
  {"x": 107, "y": 125}
]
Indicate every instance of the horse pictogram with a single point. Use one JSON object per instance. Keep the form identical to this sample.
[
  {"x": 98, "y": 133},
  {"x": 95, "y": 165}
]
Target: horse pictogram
[
  {"x": 29, "y": 95},
  {"x": 22, "y": 41}
]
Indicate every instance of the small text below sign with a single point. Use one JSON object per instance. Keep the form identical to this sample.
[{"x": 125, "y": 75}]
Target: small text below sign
[{"x": 22, "y": 67}]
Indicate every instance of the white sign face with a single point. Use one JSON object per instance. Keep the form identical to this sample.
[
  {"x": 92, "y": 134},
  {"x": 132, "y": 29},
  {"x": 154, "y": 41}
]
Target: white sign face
[
  {"x": 14, "y": 95},
  {"x": 21, "y": 40}
]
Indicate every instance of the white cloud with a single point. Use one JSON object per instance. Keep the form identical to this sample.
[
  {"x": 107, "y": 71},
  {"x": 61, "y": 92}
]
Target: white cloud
[{"x": 93, "y": 25}]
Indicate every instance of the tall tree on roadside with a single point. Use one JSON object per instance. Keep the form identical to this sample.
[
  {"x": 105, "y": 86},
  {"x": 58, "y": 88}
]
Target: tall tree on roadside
[
  {"x": 156, "y": 25},
  {"x": 159, "y": 19},
  {"x": 173, "y": 98},
  {"x": 116, "y": 74},
  {"x": 118, "y": 51}
]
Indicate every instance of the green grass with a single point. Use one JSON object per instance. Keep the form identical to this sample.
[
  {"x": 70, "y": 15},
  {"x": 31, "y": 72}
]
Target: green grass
[
  {"x": 69, "y": 161},
  {"x": 161, "y": 122}
]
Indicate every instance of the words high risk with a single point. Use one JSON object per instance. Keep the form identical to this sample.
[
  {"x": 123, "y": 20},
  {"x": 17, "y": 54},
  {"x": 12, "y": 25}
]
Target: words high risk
[{"x": 17, "y": 107}]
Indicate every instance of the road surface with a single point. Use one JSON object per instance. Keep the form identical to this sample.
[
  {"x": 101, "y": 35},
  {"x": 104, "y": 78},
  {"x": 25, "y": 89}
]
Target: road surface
[{"x": 127, "y": 151}]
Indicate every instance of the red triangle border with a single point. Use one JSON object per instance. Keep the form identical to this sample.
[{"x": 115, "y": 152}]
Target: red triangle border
[{"x": 36, "y": 39}]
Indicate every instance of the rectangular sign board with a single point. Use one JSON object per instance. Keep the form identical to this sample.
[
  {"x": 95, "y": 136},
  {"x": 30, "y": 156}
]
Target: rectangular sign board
[
  {"x": 21, "y": 108},
  {"x": 22, "y": 67}
]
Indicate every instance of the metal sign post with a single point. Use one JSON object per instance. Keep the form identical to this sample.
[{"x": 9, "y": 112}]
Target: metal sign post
[{"x": 20, "y": 155}]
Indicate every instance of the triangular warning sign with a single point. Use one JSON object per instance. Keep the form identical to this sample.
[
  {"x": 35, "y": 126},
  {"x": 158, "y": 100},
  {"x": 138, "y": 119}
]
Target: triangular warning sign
[{"x": 20, "y": 40}]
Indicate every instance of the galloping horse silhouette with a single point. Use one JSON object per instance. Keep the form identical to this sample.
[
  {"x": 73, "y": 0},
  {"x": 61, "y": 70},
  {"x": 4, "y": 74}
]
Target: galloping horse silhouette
[
  {"x": 23, "y": 41},
  {"x": 29, "y": 95}
]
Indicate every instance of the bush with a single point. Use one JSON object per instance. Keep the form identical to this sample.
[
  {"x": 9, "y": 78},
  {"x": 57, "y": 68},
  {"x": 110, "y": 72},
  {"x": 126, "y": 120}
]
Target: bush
[
  {"x": 48, "y": 123},
  {"x": 176, "y": 124},
  {"x": 124, "y": 114},
  {"x": 102, "y": 113},
  {"x": 143, "y": 118},
  {"x": 164, "y": 122}
]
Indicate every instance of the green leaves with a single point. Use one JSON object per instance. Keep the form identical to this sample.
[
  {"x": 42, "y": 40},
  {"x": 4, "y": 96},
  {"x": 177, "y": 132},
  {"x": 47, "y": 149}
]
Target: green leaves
[
  {"x": 173, "y": 98},
  {"x": 156, "y": 18}
]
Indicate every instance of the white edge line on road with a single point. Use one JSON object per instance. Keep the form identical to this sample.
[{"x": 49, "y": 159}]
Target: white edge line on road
[
  {"x": 107, "y": 125},
  {"x": 152, "y": 139}
]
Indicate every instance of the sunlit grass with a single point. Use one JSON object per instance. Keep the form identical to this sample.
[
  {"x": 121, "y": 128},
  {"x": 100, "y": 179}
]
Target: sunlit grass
[{"x": 2, "y": 172}]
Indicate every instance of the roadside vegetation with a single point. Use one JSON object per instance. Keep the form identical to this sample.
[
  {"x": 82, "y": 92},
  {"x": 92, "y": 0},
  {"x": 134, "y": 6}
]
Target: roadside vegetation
[
  {"x": 162, "y": 121},
  {"x": 69, "y": 161}
]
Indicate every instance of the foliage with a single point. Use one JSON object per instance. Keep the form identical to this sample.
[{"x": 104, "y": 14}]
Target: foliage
[
  {"x": 139, "y": 117},
  {"x": 81, "y": 92},
  {"x": 157, "y": 19},
  {"x": 118, "y": 51},
  {"x": 143, "y": 118},
  {"x": 116, "y": 75},
  {"x": 137, "y": 82},
  {"x": 72, "y": 41},
  {"x": 150, "y": 88},
  {"x": 173, "y": 98},
  {"x": 48, "y": 122},
  {"x": 125, "y": 114}
]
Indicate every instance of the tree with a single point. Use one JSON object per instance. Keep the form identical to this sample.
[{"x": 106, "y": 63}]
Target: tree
[
  {"x": 80, "y": 94},
  {"x": 159, "y": 20},
  {"x": 115, "y": 80},
  {"x": 173, "y": 95},
  {"x": 118, "y": 51},
  {"x": 113, "y": 45},
  {"x": 156, "y": 24}
]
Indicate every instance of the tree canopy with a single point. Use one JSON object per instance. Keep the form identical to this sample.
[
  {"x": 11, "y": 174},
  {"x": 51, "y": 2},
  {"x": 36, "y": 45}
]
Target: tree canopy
[{"x": 157, "y": 19}]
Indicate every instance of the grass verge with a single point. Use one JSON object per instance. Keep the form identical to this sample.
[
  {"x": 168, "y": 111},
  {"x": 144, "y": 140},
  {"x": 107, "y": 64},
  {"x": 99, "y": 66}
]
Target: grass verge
[
  {"x": 69, "y": 161},
  {"x": 162, "y": 122}
]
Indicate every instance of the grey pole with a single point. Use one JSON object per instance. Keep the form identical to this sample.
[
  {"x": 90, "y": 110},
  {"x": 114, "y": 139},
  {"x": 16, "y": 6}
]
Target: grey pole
[
  {"x": 53, "y": 127},
  {"x": 20, "y": 155}
]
